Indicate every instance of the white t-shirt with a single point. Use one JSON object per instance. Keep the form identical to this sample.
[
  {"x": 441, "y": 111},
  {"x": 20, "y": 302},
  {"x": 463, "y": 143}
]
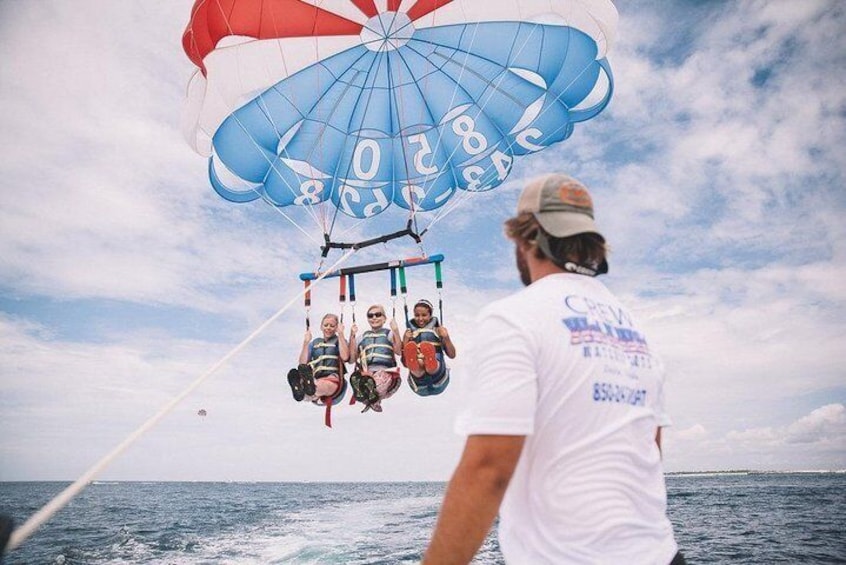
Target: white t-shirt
[{"x": 563, "y": 363}]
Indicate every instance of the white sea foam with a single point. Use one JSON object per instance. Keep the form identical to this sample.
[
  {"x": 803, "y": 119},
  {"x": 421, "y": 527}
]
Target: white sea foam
[{"x": 348, "y": 532}]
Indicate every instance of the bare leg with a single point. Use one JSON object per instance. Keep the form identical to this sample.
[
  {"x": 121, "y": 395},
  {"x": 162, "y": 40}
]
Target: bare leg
[{"x": 327, "y": 386}]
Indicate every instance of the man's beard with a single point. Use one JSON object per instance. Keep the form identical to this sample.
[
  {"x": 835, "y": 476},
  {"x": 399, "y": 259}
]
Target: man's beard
[{"x": 522, "y": 267}]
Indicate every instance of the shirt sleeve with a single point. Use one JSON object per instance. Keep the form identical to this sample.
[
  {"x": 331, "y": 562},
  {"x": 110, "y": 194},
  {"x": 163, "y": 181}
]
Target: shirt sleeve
[{"x": 501, "y": 384}]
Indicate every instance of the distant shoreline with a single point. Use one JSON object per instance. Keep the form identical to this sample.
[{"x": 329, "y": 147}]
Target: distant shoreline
[
  {"x": 738, "y": 472},
  {"x": 756, "y": 472}
]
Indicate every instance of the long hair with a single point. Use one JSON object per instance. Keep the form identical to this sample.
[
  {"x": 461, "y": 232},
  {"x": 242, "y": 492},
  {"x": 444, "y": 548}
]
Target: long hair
[{"x": 585, "y": 249}]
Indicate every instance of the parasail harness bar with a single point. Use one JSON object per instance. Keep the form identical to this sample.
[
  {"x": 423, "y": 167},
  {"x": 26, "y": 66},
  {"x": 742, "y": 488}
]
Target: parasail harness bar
[
  {"x": 408, "y": 231},
  {"x": 374, "y": 267},
  {"x": 396, "y": 267}
]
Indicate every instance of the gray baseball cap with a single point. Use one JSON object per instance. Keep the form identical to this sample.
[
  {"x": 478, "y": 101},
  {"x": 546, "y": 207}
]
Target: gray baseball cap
[{"x": 561, "y": 204}]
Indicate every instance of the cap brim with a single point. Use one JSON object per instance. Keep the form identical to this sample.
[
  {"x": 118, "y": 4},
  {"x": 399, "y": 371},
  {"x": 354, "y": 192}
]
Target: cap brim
[{"x": 565, "y": 224}]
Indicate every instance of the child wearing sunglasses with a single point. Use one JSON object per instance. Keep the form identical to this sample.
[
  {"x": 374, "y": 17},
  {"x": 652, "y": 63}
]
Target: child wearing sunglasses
[
  {"x": 423, "y": 347},
  {"x": 376, "y": 376}
]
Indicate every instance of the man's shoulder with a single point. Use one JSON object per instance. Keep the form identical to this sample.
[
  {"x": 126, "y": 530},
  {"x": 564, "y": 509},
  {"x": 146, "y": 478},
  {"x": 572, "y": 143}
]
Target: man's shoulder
[
  {"x": 515, "y": 303},
  {"x": 542, "y": 294}
]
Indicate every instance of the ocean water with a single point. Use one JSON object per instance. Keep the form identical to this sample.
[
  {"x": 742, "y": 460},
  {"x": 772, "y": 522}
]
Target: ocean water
[{"x": 718, "y": 518}]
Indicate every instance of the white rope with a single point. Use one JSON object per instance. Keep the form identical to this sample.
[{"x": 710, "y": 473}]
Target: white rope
[{"x": 59, "y": 501}]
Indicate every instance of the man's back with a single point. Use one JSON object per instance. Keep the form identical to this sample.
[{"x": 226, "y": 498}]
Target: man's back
[{"x": 564, "y": 364}]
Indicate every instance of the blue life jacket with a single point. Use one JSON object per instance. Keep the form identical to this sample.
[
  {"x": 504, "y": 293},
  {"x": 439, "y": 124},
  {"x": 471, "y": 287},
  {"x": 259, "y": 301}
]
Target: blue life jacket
[
  {"x": 376, "y": 348},
  {"x": 325, "y": 355}
]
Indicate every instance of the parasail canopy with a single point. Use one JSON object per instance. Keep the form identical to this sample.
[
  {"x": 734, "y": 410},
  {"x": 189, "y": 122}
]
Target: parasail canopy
[{"x": 367, "y": 104}]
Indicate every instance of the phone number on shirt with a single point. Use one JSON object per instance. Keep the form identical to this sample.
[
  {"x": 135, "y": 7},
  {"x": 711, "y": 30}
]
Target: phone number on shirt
[{"x": 610, "y": 392}]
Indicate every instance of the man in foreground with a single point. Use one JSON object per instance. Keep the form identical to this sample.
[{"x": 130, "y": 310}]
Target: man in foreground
[{"x": 563, "y": 426}]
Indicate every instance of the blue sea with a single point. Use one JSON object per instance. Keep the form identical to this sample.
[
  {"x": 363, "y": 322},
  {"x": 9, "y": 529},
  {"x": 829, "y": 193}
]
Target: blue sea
[{"x": 718, "y": 518}]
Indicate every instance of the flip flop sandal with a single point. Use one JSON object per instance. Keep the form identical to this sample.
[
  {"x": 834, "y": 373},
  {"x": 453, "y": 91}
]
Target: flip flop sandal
[
  {"x": 296, "y": 383},
  {"x": 368, "y": 387},
  {"x": 409, "y": 357},
  {"x": 308, "y": 379},
  {"x": 430, "y": 357},
  {"x": 358, "y": 392}
]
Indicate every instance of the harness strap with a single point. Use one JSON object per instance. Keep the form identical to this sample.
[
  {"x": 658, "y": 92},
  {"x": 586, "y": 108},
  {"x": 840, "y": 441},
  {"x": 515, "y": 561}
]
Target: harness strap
[
  {"x": 420, "y": 335},
  {"x": 396, "y": 381},
  {"x": 328, "y": 401},
  {"x": 327, "y": 417},
  {"x": 319, "y": 366},
  {"x": 372, "y": 352}
]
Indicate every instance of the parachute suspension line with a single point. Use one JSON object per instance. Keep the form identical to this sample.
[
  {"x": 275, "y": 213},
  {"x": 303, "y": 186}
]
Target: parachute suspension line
[
  {"x": 35, "y": 521},
  {"x": 293, "y": 222},
  {"x": 410, "y": 228},
  {"x": 419, "y": 239},
  {"x": 318, "y": 147},
  {"x": 424, "y": 107},
  {"x": 459, "y": 199},
  {"x": 439, "y": 285},
  {"x": 344, "y": 187},
  {"x": 352, "y": 295},
  {"x": 350, "y": 228},
  {"x": 322, "y": 219},
  {"x": 308, "y": 304},
  {"x": 393, "y": 293},
  {"x": 273, "y": 166},
  {"x": 410, "y": 195},
  {"x": 411, "y": 190},
  {"x": 420, "y": 243},
  {"x": 342, "y": 295},
  {"x": 449, "y": 209},
  {"x": 404, "y": 293},
  {"x": 319, "y": 140},
  {"x": 398, "y": 102},
  {"x": 269, "y": 116},
  {"x": 455, "y": 92}
]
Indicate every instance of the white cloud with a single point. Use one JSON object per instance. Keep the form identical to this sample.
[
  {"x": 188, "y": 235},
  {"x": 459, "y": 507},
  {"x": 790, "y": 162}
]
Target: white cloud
[
  {"x": 824, "y": 428},
  {"x": 61, "y": 394},
  {"x": 733, "y": 335},
  {"x": 814, "y": 441},
  {"x": 717, "y": 159},
  {"x": 824, "y": 425},
  {"x": 722, "y": 201},
  {"x": 694, "y": 433}
]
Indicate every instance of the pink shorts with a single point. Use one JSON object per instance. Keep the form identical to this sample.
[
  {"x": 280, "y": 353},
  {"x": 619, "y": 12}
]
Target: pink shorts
[{"x": 387, "y": 380}]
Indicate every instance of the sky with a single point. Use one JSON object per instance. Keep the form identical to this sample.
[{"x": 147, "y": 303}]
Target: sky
[{"x": 717, "y": 174}]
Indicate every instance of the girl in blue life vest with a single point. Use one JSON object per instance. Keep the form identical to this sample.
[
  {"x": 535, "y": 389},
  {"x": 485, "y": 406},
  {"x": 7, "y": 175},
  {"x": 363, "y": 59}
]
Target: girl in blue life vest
[
  {"x": 376, "y": 376},
  {"x": 319, "y": 376},
  {"x": 423, "y": 347}
]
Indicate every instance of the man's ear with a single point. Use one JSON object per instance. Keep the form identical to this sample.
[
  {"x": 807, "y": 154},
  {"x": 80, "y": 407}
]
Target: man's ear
[{"x": 527, "y": 246}]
